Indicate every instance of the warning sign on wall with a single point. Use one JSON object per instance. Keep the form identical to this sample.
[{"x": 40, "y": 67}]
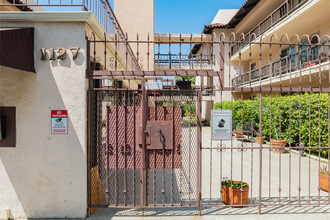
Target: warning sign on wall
[{"x": 59, "y": 121}]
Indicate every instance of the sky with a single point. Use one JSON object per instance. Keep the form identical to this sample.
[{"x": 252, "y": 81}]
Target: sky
[
  {"x": 188, "y": 16},
  {"x": 175, "y": 16}
]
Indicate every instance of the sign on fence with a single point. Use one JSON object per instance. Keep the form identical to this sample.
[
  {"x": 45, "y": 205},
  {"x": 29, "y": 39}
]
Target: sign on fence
[{"x": 221, "y": 124}]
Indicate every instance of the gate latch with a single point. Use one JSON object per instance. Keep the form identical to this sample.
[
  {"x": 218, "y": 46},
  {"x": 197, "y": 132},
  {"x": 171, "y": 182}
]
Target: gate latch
[{"x": 161, "y": 135}]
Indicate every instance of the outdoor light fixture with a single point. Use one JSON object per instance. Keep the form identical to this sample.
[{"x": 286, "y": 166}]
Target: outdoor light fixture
[
  {"x": 7, "y": 126},
  {"x": 2, "y": 127}
]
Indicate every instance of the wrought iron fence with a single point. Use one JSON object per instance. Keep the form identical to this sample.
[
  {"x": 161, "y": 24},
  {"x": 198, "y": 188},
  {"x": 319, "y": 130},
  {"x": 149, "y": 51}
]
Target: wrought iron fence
[{"x": 288, "y": 117}]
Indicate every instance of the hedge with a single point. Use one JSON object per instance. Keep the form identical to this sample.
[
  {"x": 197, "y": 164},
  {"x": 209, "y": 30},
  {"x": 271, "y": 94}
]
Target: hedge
[{"x": 271, "y": 127}]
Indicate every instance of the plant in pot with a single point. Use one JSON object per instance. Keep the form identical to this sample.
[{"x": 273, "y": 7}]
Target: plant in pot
[
  {"x": 324, "y": 178},
  {"x": 262, "y": 139},
  {"x": 184, "y": 82},
  {"x": 234, "y": 192},
  {"x": 278, "y": 144},
  {"x": 276, "y": 141},
  {"x": 257, "y": 134}
]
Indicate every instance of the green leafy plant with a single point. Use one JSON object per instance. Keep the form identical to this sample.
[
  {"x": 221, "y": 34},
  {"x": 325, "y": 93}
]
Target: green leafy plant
[
  {"x": 192, "y": 79},
  {"x": 233, "y": 184},
  {"x": 324, "y": 171},
  {"x": 191, "y": 120},
  {"x": 188, "y": 109},
  {"x": 296, "y": 118},
  {"x": 238, "y": 126}
]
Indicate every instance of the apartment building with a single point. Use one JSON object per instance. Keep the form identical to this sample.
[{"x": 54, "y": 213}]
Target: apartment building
[
  {"x": 44, "y": 83},
  {"x": 81, "y": 72},
  {"x": 301, "y": 23}
]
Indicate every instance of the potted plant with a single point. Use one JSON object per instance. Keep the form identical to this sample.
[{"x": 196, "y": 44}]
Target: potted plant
[
  {"x": 234, "y": 192},
  {"x": 278, "y": 145},
  {"x": 324, "y": 178},
  {"x": 184, "y": 82},
  {"x": 262, "y": 139}
]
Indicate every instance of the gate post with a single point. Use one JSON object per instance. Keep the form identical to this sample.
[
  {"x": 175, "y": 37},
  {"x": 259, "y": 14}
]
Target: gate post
[
  {"x": 260, "y": 153},
  {"x": 89, "y": 134},
  {"x": 143, "y": 176},
  {"x": 199, "y": 144}
]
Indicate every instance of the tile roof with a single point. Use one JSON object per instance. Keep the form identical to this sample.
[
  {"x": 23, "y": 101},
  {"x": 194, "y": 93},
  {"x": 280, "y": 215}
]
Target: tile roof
[
  {"x": 242, "y": 12},
  {"x": 209, "y": 27},
  {"x": 236, "y": 19}
]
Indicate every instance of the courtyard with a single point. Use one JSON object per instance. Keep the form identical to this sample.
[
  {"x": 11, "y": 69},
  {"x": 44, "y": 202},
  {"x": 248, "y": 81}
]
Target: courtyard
[{"x": 282, "y": 177}]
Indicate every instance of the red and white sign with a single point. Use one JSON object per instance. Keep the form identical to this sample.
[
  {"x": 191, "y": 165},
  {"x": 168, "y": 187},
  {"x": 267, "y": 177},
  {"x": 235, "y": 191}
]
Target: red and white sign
[{"x": 59, "y": 121}]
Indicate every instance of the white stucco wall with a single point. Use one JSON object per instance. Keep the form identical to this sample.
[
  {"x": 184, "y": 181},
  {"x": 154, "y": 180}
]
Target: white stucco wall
[
  {"x": 224, "y": 15},
  {"x": 45, "y": 175},
  {"x": 229, "y": 71}
]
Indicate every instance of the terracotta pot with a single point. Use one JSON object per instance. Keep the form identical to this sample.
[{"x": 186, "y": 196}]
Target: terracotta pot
[
  {"x": 324, "y": 182},
  {"x": 238, "y": 136},
  {"x": 262, "y": 140},
  {"x": 278, "y": 145},
  {"x": 233, "y": 196}
]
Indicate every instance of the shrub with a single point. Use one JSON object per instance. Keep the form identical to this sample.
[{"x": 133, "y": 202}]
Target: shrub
[
  {"x": 188, "y": 109},
  {"x": 233, "y": 184},
  {"x": 276, "y": 121}
]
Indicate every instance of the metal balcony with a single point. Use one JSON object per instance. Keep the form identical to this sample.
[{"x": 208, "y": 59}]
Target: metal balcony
[
  {"x": 280, "y": 13},
  {"x": 183, "y": 62},
  {"x": 287, "y": 64}
]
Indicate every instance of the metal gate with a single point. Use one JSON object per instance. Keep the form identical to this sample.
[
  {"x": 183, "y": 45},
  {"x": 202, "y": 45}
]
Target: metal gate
[
  {"x": 145, "y": 156},
  {"x": 147, "y": 147}
]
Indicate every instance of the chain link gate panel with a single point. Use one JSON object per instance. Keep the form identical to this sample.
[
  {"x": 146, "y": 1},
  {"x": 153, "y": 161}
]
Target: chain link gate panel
[{"x": 117, "y": 159}]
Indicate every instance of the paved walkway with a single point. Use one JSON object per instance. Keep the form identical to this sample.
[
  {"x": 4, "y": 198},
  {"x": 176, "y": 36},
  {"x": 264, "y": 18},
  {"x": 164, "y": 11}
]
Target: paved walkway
[
  {"x": 286, "y": 178},
  {"x": 282, "y": 174}
]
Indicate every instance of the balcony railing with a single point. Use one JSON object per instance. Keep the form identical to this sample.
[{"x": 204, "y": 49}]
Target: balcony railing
[
  {"x": 207, "y": 90},
  {"x": 283, "y": 11},
  {"x": 287, "y": 64},
  {"x": 184, "y": 61},
  {"x": 102, "y": 11}
]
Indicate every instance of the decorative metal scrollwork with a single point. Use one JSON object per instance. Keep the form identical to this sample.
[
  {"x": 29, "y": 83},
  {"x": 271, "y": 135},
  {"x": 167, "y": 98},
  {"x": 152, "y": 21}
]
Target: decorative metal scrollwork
[
  {"x": 222, "y": 148},
  {"x": 242, "y": 147},
  {"x": 300, "y": 148},
  {"x": 178, "y": 149},
  {"x": 116, "y": 62},
  {"x": 323, "y": 76},
  {"x": 140, "y": 62}
]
